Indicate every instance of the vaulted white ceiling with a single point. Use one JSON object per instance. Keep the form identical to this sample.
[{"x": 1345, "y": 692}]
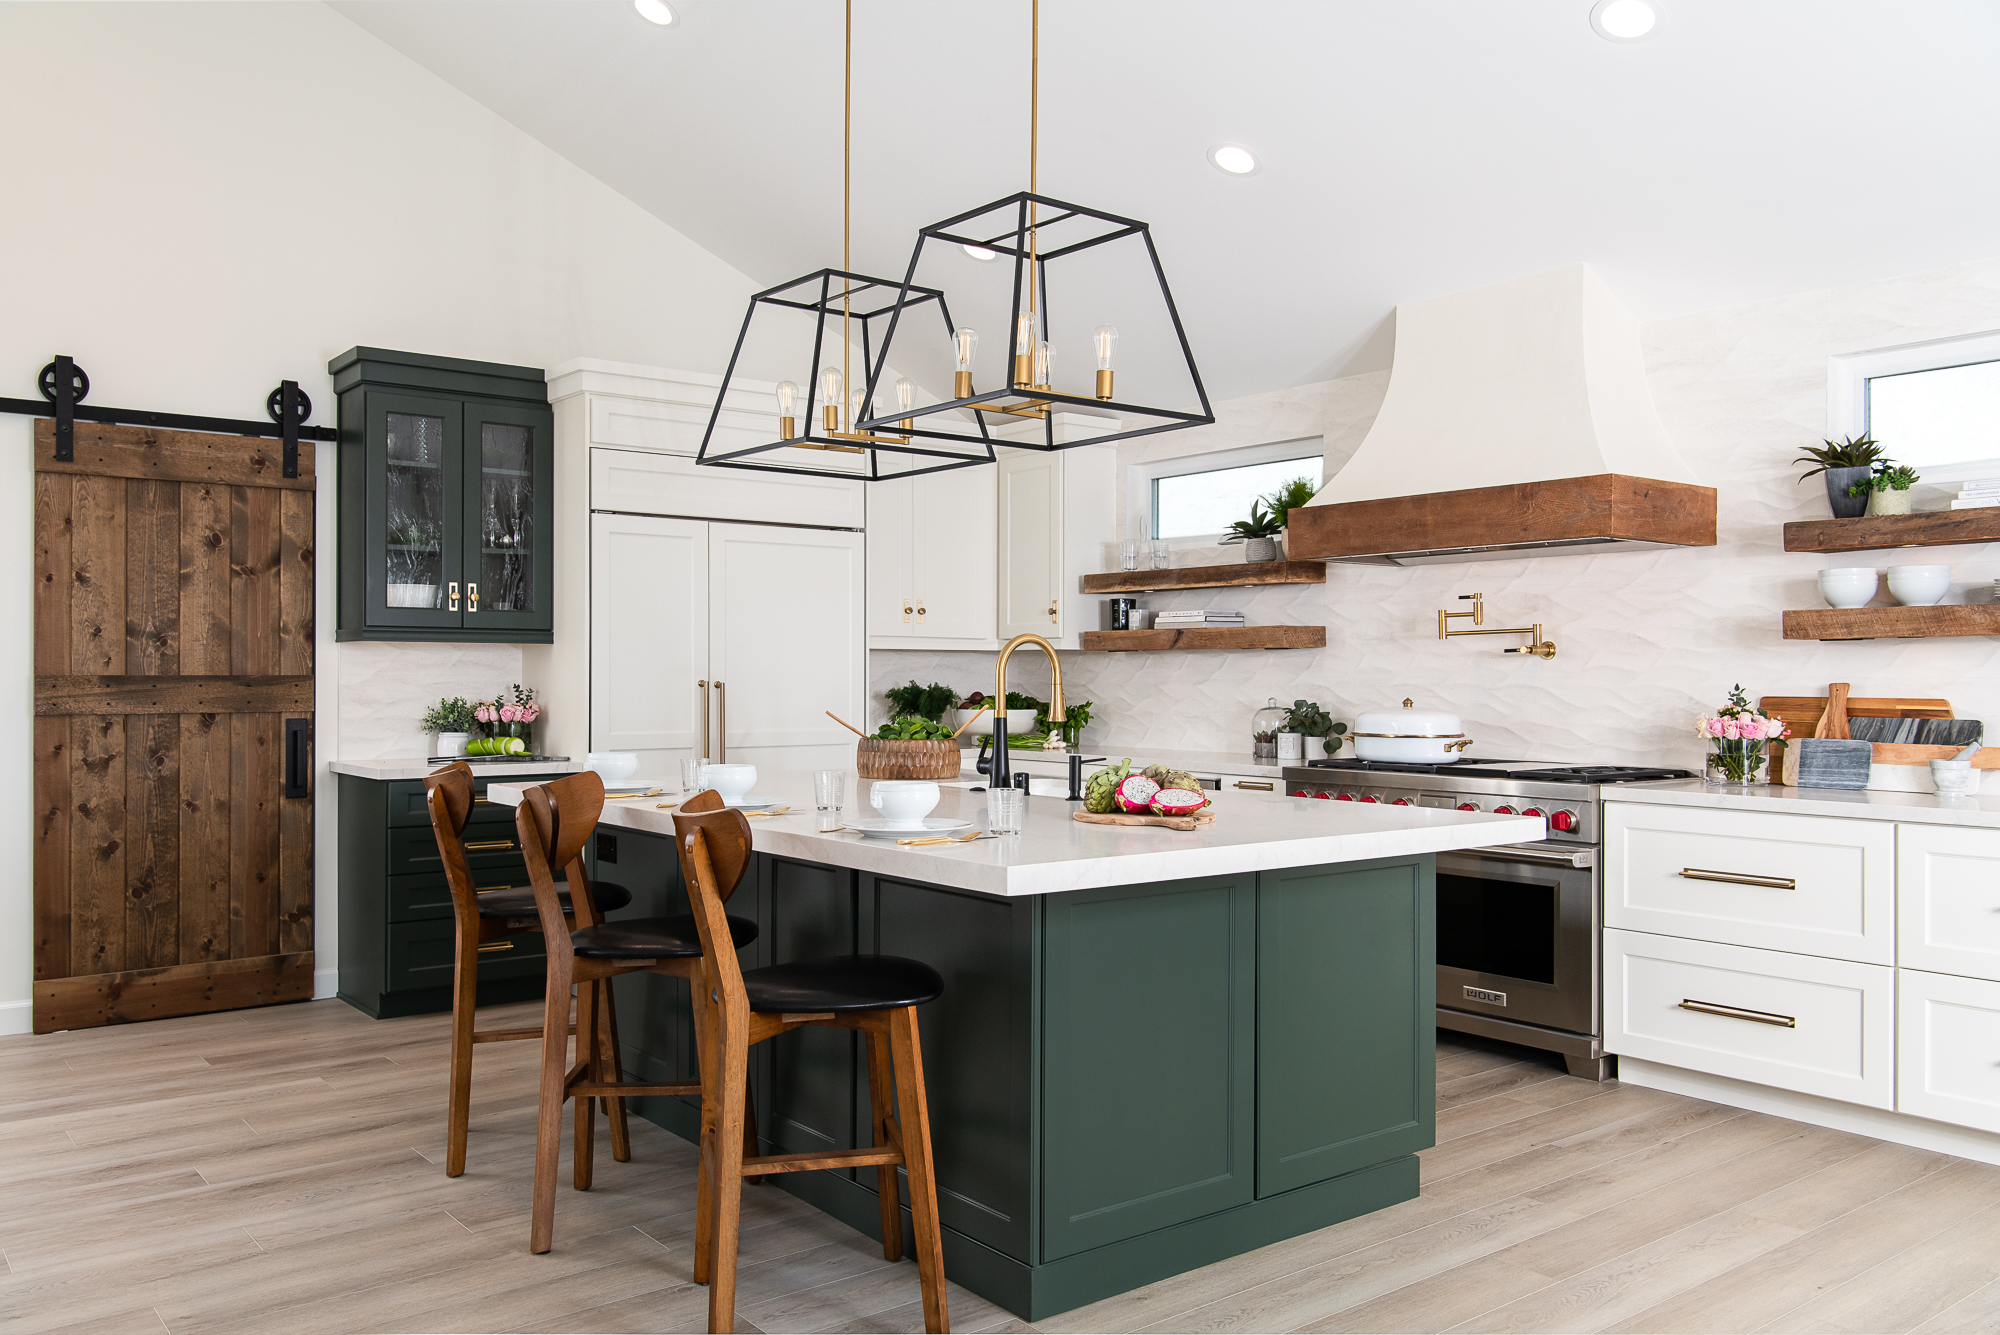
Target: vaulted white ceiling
[{"x": 1409, "y": 148}]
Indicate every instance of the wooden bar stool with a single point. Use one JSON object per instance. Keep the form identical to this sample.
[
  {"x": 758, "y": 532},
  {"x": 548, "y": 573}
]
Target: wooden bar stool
[
  {"x": 874, "y": 994},
  {"x": 485, "y": 919},
  {"x": 555, "y": 821}
]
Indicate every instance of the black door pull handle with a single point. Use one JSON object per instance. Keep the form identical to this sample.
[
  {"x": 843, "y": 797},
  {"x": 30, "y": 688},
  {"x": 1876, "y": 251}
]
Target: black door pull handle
[{"x": 298, "y": 757}]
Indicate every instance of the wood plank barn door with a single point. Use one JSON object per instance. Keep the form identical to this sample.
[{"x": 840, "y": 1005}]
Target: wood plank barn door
[{"x": 173, "y": 663}]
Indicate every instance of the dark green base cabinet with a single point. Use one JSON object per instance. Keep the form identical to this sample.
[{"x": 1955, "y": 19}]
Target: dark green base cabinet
[
  {"x": 1124, "y": 1084},
  {"x": 396, "y": 928}
]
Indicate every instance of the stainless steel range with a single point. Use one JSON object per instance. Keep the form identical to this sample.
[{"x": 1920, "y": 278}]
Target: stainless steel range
[{"x": 1517, "y": 924}]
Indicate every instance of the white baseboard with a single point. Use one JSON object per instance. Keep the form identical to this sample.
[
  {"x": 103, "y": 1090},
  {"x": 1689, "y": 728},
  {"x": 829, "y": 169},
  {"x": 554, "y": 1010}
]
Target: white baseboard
[
  {"x": 326, "y": 982},
  {"x": 17, "y": 1017},
  {"x": 1880, "y": 1123}
]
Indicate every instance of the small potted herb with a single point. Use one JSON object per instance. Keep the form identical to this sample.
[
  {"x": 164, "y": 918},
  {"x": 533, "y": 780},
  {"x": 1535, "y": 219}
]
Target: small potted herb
[
  {"x": 1888, "y": 491},
  {"x": 451, "y": 722},
  {"x": 1258, "y": 533},
  {"x": 1287, "y": 498},
  {"x": 1320, "y": 735},
  {"x": 1845, "y": 463}
]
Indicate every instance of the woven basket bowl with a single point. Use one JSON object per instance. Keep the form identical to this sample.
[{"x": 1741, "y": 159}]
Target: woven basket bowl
[{"x": 878, "y": 759}]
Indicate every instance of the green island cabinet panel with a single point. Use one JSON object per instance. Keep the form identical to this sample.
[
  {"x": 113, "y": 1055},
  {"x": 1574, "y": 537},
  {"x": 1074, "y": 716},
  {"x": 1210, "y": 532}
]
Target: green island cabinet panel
[
  {"x": 1331, "y": 1002},
  {"x": 445, "y": 499},
  {"x": 1149, "y": 1045}
]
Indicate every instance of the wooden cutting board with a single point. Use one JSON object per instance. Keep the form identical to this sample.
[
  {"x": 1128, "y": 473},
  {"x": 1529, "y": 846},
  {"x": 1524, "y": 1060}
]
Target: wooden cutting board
[{"x": 1194, "y": 822}]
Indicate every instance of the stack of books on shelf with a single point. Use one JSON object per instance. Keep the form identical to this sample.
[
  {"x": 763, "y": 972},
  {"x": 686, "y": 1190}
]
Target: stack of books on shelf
[
  {"x": 1977, "y": 495},
  {"x": 1196, "y": 617}
]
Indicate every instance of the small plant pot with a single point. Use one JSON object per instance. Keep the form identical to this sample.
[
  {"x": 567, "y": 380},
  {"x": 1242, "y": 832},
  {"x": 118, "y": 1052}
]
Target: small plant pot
[
  {"x": 1838, "y": 480},
  {"x": 1260, "y": 549},
  {"x": 1315, "y": 748},
  {"x": 449, "y": 743},
  {"x": 1888, "y": 502}
]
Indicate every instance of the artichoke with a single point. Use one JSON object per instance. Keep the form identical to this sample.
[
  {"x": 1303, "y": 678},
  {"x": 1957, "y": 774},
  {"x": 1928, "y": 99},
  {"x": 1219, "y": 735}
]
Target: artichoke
[
  {"x": 1169, "y": 777},
  {"x": 1101, "y": 790}
]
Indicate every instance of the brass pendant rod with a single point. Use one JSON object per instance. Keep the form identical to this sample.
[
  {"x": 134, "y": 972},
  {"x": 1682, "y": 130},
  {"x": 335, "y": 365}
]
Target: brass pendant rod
[
  {"x": 846, "y": 218},
  {"x": 1034, "y": 133}
]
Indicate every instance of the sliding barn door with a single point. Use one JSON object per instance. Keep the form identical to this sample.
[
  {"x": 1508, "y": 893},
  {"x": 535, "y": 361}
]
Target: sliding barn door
[{"x": 173, "y": 683}]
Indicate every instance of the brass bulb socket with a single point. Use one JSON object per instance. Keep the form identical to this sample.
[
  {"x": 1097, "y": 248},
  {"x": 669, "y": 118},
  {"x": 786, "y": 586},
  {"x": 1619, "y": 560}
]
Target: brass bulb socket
[
  {"x": 1023, "y": 373},
  {"x": 832, "y": 415},
  {"x": 1104, "y": 384},
  {"x": 788, "y": 427},
  {"x": 961, "y": 385}
]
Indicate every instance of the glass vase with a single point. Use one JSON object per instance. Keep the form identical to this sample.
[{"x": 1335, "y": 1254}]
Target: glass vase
[
  {"x": 525, "y": 731},
  {"x": 1736, "y": 762}
]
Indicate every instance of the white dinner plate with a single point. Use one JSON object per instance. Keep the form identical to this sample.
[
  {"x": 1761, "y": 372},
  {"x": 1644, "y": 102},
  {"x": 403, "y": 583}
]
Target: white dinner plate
[
  {"x": 877, "y": 828},
  {"x": 616, "y": 788},
  {"x": 754, "y": 803}
]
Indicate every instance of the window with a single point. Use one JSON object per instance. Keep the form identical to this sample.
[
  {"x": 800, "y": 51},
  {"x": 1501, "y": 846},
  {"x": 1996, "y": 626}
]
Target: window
[
  {"x": 1934, "y": 406},
  {"x": 1200, "y": 496}
]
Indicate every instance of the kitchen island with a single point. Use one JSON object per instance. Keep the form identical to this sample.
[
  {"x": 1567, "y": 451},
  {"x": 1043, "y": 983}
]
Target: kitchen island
[{"x": 1155, "y": 1048}]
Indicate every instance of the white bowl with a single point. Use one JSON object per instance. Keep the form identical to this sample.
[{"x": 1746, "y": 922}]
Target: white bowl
[
  {"x": 611, "y": 766},
  {"x": 1848, "y": 586},
  {"x": 412, "y": 595},
  {"x": 1919, "y": 586},
  {"x": 904, "y": 802},
  {"x": 1019, "y": 723},
  {"x": 734, "y": 782}
]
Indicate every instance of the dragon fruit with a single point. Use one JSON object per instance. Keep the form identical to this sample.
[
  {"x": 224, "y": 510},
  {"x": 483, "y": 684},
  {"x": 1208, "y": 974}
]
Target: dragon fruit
[
  {"x": 1135, "y": 794},
  {"x": 1100, "y": 794},
  {"x": 1177, "y": 802}
]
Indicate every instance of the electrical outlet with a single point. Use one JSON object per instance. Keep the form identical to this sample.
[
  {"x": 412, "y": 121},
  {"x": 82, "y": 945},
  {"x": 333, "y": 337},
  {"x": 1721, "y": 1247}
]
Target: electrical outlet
[{"x": 607, "y": 848}]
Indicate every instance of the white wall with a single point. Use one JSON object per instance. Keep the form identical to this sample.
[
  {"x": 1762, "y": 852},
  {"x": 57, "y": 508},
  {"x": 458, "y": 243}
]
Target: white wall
[
  {"x": 202, "y": 200},
  {"x": 1646, "y": 639}
]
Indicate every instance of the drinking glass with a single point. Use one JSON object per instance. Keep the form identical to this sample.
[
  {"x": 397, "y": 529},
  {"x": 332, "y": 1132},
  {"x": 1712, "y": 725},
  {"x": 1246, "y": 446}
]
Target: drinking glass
[
  {"x": 829, "y": 788},
  {"x": 1159, "y": 554},
  {"x": 1128, "y": 553},
  {"x": 1006, "y": 808},
  {"x": 691, "y": 774}
]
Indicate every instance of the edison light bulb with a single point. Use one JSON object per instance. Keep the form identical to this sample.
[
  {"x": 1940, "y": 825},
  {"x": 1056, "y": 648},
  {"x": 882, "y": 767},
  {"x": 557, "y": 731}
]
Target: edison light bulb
[
  {"x": 964, "y": 343},
  {"x": 788, "y": 410},
  {"x": 906, "y": 399},
  {"x": 1024, "y": 347},
  {"x": 1045, "y": 359},
  {"x": 829, "y": 395},
  {"x": 1105, "y": 341},
  {"x": 856, "y": 405}
]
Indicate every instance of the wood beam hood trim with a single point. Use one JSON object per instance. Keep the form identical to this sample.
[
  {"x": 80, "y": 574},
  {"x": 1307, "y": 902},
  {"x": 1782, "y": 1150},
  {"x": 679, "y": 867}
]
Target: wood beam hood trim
[{"x": 1553, "y": 518}]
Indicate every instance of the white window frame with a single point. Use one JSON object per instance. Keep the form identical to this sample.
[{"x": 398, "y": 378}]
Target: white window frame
[
  {"x": 1139, "y": 478},
  {"x": 1848, "y": 374}
]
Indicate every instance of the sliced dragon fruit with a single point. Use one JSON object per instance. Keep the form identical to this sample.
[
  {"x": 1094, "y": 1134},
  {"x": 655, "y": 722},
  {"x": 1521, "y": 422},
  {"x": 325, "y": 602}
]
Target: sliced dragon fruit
[
  {"x": 1135, "y": 794},
  {"x": 1178, "y": 802}
]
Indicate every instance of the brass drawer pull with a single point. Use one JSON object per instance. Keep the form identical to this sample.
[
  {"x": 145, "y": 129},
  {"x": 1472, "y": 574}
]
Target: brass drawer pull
[
  {"x": 491, "y": 889},
  {"x": 495, "y": 947},
  {"x": 1730, "y": 877},
  {"x": 482, "y": 801},
  {"x": 485, "y": 844},
  {"x": 1738, "y": 1013},
  {"x": 1259, "y": 787}
]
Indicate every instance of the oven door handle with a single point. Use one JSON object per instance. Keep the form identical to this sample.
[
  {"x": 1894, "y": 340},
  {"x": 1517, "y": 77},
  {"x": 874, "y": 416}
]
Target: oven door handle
[{"x": 1582, "y": 857}]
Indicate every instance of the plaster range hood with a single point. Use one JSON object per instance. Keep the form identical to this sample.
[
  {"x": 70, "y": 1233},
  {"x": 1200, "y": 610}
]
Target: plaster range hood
[{"x": 1517, "y": 423}]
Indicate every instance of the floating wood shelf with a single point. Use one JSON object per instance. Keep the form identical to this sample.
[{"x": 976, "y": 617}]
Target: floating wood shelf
[
  {"x": 1934, "y": 528},
  {"x": 1248, "y": 575},
  {"x": 1209, "y": 637},
  {"x": 1892, "y": 623}
]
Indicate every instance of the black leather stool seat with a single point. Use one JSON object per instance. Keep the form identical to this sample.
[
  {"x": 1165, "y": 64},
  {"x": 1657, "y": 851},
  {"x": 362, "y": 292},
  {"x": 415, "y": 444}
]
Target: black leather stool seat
[
  {"x": 672, "y": 937},
  {"x": 843, "y": 983},
  {"x": 518, "y": 901}
]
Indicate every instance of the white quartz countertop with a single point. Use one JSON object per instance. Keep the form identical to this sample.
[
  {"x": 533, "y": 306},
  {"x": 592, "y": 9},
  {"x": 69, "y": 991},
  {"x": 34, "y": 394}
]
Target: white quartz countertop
[
  {"x": 418, "y": 767},
  {"x": 1860, "y": 804},
  {"x": 1252, "y": 832},
  {"x": 1198, "y": 762}
]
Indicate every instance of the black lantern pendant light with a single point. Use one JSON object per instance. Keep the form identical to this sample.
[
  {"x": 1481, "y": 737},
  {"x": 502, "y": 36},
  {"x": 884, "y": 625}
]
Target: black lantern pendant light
[
  {"x": 828, "y": 304},
  {"x": 1109, "y": 263}
]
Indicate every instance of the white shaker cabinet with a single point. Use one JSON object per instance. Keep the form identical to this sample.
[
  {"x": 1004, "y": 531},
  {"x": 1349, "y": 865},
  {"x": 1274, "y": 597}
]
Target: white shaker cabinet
[
  {"x": 1948, "y": 899},
  {"x": 1948, "y": 1049},
  {"x": 725, "y": 640},
  {"x": 1057, "y": 513},
  {"x": 931, "y": 579}
]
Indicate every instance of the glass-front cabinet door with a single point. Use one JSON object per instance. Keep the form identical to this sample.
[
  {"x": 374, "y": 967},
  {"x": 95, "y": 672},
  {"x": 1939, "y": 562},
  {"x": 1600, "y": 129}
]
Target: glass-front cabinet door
[
  {"x": 508, "y": 453},
  {"x": 416, "y": 574}
]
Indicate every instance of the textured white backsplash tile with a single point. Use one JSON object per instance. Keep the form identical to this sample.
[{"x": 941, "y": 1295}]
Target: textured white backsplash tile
[
  {"x": 1646, "y": 639},
  {"x": 385, "y": 689}
]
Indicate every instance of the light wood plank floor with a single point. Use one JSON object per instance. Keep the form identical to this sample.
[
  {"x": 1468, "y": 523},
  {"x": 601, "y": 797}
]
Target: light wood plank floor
[{"x": 280, "y": 1171}]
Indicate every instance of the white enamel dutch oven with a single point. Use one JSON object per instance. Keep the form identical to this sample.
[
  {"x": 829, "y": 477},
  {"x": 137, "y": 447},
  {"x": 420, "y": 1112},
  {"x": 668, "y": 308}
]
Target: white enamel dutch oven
[{"x": 1427, "y": 736}]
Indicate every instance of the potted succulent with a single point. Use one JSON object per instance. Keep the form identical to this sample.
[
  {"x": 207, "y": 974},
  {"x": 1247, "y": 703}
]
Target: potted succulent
[
  {"x": 1258, "y": 533},
  {"x": 450, "y": 722},
  {"x": 1888, "y": 490},
  {"x": 1321, "y": 735},
  {"x": 1287, "y": 498},
  {"x": 1845, "y": 463}
]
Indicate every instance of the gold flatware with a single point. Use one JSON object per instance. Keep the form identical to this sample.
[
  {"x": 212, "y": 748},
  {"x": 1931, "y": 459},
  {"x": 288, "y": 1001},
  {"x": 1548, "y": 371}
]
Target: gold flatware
[
  {"x": 664, "y": 805},
  {"x": 775, "y": 811},
  {"x": 626, "y": 797},
  {"x": 944, "y": 839}
]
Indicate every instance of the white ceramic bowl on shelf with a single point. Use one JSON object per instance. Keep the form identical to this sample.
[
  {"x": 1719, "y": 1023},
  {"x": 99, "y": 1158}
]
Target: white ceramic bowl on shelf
[
  {"x": 1919, "y": 586},
  {"x": 1848, "y": 586}
]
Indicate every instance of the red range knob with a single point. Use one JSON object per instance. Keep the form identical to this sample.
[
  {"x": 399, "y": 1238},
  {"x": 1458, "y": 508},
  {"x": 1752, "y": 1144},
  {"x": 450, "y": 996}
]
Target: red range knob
[
  {"x": 1468, "y": 806},
  {"x": 1401, "y": 802},
  {"x": 1534, "y": 811},
  {"x": 1296, "y": 792},
  {"x": 1344, "y": 797},
  {"x": 1323, "y": 795},
  {"x": 1368, "y": 799},
  {"x": 1563, "y": 820},
  {"x": 1504, "y": 810}
]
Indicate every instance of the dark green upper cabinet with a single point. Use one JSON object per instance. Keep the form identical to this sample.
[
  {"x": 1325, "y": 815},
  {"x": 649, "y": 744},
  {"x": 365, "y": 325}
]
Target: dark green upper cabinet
[{"x": 446, "y": 518}]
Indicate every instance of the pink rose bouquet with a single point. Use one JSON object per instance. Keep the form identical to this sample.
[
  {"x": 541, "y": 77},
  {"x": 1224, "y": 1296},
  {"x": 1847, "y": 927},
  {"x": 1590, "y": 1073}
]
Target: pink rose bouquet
[{"x": 1736, "y": 734}]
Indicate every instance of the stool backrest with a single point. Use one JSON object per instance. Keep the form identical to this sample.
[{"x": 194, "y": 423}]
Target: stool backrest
[
  {"x": 448, "y": 798},
  {"x": 555, "y": 821},
  {"x": 714, "y": 849}
]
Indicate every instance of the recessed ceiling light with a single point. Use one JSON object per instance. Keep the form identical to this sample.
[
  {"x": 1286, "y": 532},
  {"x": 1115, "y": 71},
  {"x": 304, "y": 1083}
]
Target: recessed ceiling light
[
  {"x": 1233, "y": 158},
  {"x": 1624, "y": 20},
  {"x": 981, "y": 253},
  {"x": 655, "y": 11}
]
